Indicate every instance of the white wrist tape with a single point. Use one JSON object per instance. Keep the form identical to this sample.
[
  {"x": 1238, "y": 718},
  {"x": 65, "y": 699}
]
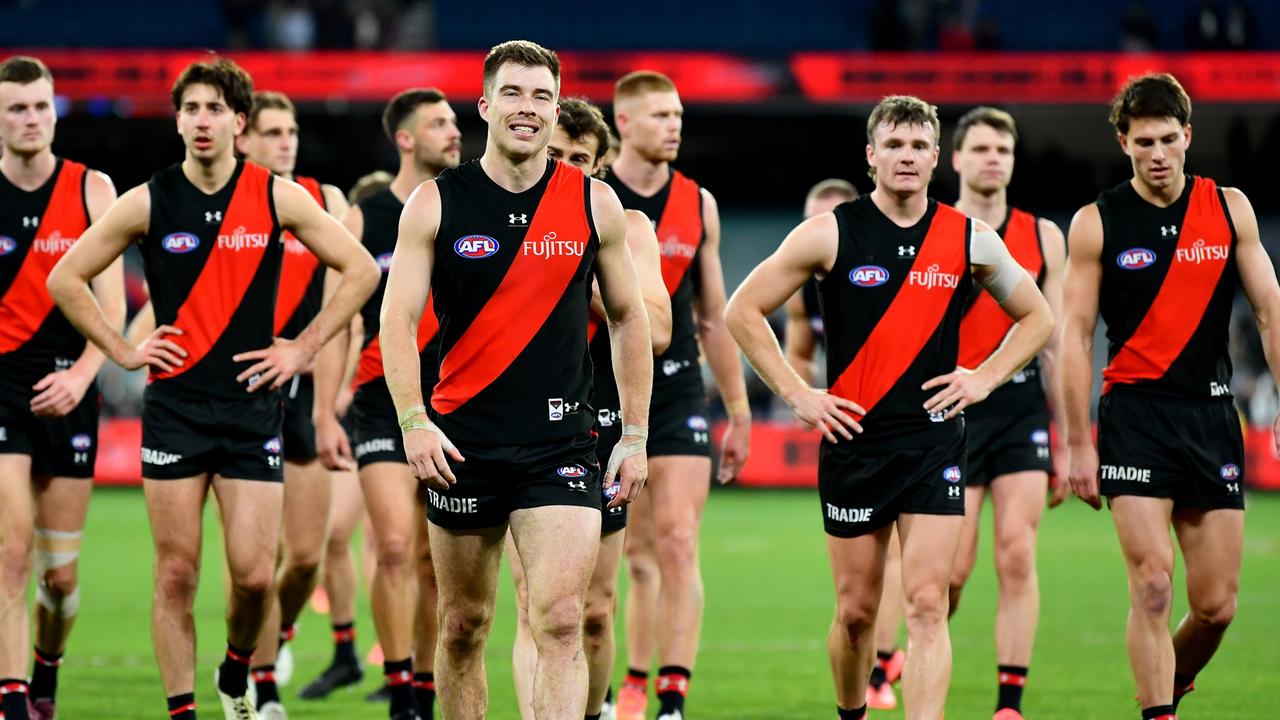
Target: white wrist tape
[{"x": 625, "y": 449}]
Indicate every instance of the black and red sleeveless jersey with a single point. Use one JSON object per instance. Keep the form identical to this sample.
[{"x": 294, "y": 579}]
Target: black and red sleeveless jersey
[
  {"x": 891, "y": 306},
  {"x": 809, "y": 295},
  {"x": 381, "y": 212},
  {"x": 512, "y": 288},
  {"x": 1169, "y": 277},
  {"x": 212, "y": 263},
  {"x": 36, "y": 230},
  {"x": 678, "y": 207},
  {"x": 985, "y": 325},
  {"x": 301, "y": 277}
]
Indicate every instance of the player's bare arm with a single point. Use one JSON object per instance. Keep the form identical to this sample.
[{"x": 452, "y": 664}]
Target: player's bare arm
[
  {"x": 335, "y": 202},
  {"x": 333, "y": 447},
  {"x": 100, "y": 245},
  {"x": 798, "y": 341},
  {"x": 1258, "y": 279},
  {"x": 1080, "y": 288},
  {"x": 58, "y": 393},
  {"x": 643, "y": 244},
  {"x": 808, "y": 250},
  {"x": 717, "y": 343},
  {"x": 629, "y": 340},
  {"x": 1010, "y": 285},
  {"x": 324, "y": 236},
  {"x": 425, "y": 446},
  {"x": 1054, "y": 251}
]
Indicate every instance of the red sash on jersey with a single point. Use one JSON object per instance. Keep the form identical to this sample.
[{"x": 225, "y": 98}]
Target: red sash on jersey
[
  {"x": 911, "y": 319},
  {"x": 985, "y": 325},
  {"x": 227, "y": 273},
  {"x": 370, "y": 365},
  {"x": 1185, "y": 293},
  {"x": 298, "y": 267},
  {"x": 680, "y": 230},
  {"x": 523, "y": 300},
  {"x": 27, "y": 303}
]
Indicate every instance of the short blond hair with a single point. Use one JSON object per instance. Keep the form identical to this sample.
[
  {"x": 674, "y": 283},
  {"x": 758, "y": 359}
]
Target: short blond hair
[
  {"x": 641, "y": 82},
  {"x": 832, "y": 187}
]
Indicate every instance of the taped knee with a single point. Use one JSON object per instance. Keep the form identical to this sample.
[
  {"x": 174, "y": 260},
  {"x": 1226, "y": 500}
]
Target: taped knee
[{"x": 55, "y": 549}]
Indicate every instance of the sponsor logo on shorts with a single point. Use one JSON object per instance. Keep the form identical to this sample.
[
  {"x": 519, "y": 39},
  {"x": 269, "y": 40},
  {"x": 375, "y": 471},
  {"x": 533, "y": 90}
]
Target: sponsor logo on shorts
[
  {"x": 159, "y": 457},
  {"x": 464, "y": 506},
  {"x": 1136, "y": 258},
  {"x": 375, "y": 445},
  {"x": 578, "y": 485},
  {"x": 272, "y": 446},
  {"x": 7, "y": 245},
  {"x": 1217, "y": 389},
  {"x": 555, "y": 409},
  {"x": 607, "y": 418},
  {"x": 81, "y": 441},
  {"x": 1040, "y": 437},
  {"x": 848, "y": 515},
  {"x": 938, "y": 416},
  {"x": 180, "y": 243},
  {"x": 571, "y": 471},
  {"x": 611, "y": 491},
  {"x": 475, "y": 247},
  {"x": 1125, "y": 472},
  {"x": 384, "y": 262},
  {"x": 868, "y": 276},
  {"x": 1229, "y": 472},
  {"x": 696, "y": 422},
  {"x": 952, "y": 474},
  {"x": 671, "y": 367}
]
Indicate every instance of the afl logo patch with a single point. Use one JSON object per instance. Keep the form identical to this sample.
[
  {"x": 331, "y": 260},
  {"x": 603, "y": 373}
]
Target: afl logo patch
[
  {"x": 1040, "y": 437},
  {"x": 1229, "y": 472},
  {"x": 952, "y": 474},
  {"x": 180, "y": 243},
  {"x": 475, "y": 247},
  {"x": 611, "y": 491},
  {"x": 868, "y": 276},
  {"x": 384, "y": 262},
  {"x": 81, "y": 441},
  {"x": 571, "y": 471},
  {"x": 696, "y": 422},
  {"x": 272, "y": 446},
  {"x": 1136, "y": 258},
  {"x": 7, "y": 245}
]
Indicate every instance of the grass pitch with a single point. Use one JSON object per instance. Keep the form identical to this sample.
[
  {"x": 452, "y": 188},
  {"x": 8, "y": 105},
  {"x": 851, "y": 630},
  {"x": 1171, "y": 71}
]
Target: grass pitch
[{"x": 769, "y": 603}]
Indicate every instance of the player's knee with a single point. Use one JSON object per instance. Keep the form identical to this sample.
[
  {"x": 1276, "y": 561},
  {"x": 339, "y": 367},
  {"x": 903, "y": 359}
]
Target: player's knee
[
  {"x": 176, "y": 579},
  {"x": 1216, "y": 612},
  {"x": 1153, "y": 591},
  {"x": 856, "y": 615},
  {"x": 1016, "y": 562},
  {"x": 926, "y": 606},
  {"x": 15, "y": 563},
  {"x": 463, "y": 629},
  {"x": 557, "y": 621},
  {"x": 395, "y": 552},
  {"x": 954, "y": 591},
  {"x": 678, "y": 549},
  {"x": 255, "y": 580},
  {"x": 60, "y": 582},
  {"x": 597, "y": 619},
  {"x": 642, "y": 568}
]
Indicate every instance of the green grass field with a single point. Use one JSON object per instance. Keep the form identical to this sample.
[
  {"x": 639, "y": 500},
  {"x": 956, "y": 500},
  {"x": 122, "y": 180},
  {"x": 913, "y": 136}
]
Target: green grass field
[{"x": 768, "y": 607}]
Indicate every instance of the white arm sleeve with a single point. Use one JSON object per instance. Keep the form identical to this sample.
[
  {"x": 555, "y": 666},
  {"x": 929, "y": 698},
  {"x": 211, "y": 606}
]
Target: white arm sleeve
[{"x": 986, "y": 248}]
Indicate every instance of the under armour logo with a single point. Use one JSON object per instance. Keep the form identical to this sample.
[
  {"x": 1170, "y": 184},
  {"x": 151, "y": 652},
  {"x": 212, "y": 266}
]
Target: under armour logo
[
  {"x": 580, "y": 485},
  {"x": 31, "y": 222},
  {"x": 1168, "y": 231},
  {"x": 953, "y": 491},
  {"x": 906, "y": 251},
  {"x": 521, "y": 219},
  {"x": 212, "y": 217}
]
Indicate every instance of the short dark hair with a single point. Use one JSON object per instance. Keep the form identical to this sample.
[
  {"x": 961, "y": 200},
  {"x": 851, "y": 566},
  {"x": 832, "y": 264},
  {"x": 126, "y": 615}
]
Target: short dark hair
[
  {"x": 520, "y": 52},
  {"x": 24, "y": 69},
  {"x": 994, "y": 118},
  {"x": 269, "y": 100},
  {"x": 1157, "y": 95},
  {"x": 580, "y": 119},
  {"x": 403, "y": 105},
  {"x": 222, "y": 73}
]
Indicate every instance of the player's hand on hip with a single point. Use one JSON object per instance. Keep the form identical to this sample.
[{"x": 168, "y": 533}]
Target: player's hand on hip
[
  {"x": 58, "y": 393},
  {"x": 156, "y": 352},
  {"x": 333, "y": 446},
  {"x": 829, "y": 413},
  {"x": 628, "y": 467},
  {"x": 735, "y": 446},
  {"x": 275, "y": 366},
  {"x": 428, "y": 452},
  {"x": 957, "y": 390},
  {"x": 1083, "y": 474}
]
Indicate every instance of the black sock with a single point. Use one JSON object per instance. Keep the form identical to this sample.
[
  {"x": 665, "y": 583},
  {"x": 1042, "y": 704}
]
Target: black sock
[
  {"x": 264, "y": 680},
  {"x": 182, "y": 707},
  {"x": 286, "y": 633},
  {"x": 1158, "y": 712},
  {"x": 233, "y": 675},
  {"x": 608, "y": 695},
  {"x": 878, "y": 676},
  {"x": 13, "y": 699},
  {"x": 854, "y": 714},
  {"x": 399, "y": 675},
  {"x": 424, "y": 691},
  {"x": 44, "y": 677},
  {"x": 1013, "y": 678},
  {"x": 344, "y": 644},
  {"x": 637, "y": 678},
  {"x": 1181, "y": 686},
  {"x": 884, "y": 657},
  {"x": 591, "y": 717},
  {"x": 673, "y": 686}
]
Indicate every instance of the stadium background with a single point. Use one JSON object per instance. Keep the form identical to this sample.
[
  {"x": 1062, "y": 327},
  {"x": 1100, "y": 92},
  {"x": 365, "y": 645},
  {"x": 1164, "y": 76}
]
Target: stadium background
[{"x": 776, "y": 97}]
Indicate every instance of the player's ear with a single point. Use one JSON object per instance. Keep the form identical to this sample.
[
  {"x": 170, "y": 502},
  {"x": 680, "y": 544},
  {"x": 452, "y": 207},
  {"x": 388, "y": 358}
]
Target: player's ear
[
  {"x": 404, "y": 140},
  {"x": 871, "y": 155},
  {"x": 240, "y": 124},
  {"x": 1187, "y": 130},
  {"x": 1123, "y": 140},
  {"x": 483, "y": 106}
]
